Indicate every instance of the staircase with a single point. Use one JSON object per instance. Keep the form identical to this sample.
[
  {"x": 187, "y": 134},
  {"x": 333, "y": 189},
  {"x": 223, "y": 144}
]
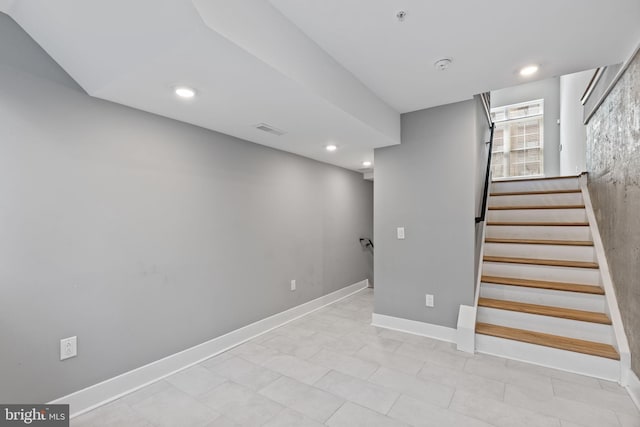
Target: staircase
[{"x": 541, "y": 297}]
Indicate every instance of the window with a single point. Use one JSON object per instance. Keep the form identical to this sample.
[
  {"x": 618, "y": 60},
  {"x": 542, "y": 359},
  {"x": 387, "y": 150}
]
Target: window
[{"x": 518, "y": 140}]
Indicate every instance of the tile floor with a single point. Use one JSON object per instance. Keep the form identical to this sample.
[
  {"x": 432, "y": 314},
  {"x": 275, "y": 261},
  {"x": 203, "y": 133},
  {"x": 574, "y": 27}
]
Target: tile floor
[{"x": 333, "y": 368}]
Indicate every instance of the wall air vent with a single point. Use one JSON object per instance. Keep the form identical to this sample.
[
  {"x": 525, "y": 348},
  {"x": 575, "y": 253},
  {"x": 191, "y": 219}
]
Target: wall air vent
[{"x": 270, "y": 129}]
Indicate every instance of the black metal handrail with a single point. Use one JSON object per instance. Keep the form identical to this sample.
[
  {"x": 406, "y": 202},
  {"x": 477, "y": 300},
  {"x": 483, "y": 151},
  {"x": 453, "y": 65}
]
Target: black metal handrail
[{"x": 485, "y": 193}]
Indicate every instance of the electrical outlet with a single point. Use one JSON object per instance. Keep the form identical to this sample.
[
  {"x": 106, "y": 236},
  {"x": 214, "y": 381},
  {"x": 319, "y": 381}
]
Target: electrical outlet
[
  {"x": 400, "y": 232},
  {"x": 293, "y": 285},
  {"x": 429, "y": 300},
  {"x": 68, "y": 348}
]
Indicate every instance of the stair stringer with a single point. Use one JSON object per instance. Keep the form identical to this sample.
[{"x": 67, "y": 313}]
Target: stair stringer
[
  {"x": 466, "y": 327},
  {"x": 611, "y": 305}
]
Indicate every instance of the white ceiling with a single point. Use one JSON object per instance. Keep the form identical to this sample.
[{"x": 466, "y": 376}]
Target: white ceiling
[
  {"x": 489, "y": 42},
  {"x": 135, "y": 52},
  {"x": 323, "y": 71}
]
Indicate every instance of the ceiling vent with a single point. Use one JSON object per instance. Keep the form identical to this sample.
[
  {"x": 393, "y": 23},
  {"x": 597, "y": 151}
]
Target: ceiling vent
[{"x": 270, "y": 129}]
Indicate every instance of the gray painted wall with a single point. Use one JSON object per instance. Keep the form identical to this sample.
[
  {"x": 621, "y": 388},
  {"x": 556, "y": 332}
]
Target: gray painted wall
[
  {"x": 573, "y": 132},
  {"x": 549, "y": 90},
  {"x": 144, "y": 236},
  {"x": 613, "y": 164},
  {"x": 426, "y": 184}
]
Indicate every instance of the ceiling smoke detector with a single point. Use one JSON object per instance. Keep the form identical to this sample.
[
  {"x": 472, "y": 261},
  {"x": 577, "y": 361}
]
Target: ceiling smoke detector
[
  {"x": 401, "y": 14},
  {"x": 443, "y": 64},
  {"x": 269, "y": 129}
]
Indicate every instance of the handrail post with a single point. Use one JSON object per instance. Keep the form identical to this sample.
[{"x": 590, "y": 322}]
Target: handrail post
[{"x": 485, "y": 193}]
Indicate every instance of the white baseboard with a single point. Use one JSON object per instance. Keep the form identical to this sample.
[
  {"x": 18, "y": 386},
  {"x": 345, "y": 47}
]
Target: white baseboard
[
  {"x": 633, "y": 387},
  {"x": 429, "y": 330},
  {"x": 106, "y": 391}
]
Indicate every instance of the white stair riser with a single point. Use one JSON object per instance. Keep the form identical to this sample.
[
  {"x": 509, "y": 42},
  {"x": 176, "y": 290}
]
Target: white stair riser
[
  {"x": 537, "y": 199},
  {"x": 583, "y": 276},
  {"x": 538, "y": 232},
  {"x": 570, "y": 183},
  {"x": 547, "y": 324},
  {"x": 538, "y": 215},
  {"x": 578, "y": 363},
  {"x": 574, "y": 300},
  {"x": 558, "y": 252}
]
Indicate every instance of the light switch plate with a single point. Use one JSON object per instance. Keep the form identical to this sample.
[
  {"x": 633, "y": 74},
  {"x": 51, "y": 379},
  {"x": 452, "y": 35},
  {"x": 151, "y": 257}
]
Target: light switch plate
[
  {"x": 400, "y": 232},
  {"x": 293, "y": 285}
]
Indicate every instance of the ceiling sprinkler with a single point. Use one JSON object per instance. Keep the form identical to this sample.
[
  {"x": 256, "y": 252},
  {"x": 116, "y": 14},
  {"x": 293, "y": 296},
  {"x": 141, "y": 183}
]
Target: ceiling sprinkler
[{"x": 443, "y": 64}]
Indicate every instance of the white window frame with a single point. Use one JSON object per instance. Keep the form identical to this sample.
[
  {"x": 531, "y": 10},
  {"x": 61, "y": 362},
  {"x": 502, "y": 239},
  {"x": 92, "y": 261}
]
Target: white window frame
[{"x": 506, "y": 138}]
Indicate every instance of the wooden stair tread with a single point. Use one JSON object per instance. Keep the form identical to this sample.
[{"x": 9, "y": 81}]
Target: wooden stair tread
[
  {"x": 524, "y": 193},
  {"x": 545, "y": 310},
  {"x": 536, "y": 261},
  {"x": 515, "y": 207},
  {"x": 541, "y": 284},
  {"x": 537, "y": 178},
  {"x": 549, "y": 340},
  {"x": 541, "y": 223},
  {"x": 539, "y": 241}
]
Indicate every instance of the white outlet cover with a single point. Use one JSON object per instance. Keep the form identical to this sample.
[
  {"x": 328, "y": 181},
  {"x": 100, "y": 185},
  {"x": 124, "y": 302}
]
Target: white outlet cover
[
  {"x": 429, "y": 300},
  {"x": 68, "y": 348},
  {"x": 400, "y": 232},
  {"x": 293, "y": 285}
]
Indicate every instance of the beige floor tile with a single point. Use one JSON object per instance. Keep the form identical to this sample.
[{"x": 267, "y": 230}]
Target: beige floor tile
[
  {"x": 399, "y": 362},
  {"x": 427, "y": 391},
  {"x": 296, "y": 368},
  {"x": 462, "y": 380},
  {"x": 596, "y": 397},
  {"x": 291, "y": 418},
  {"x": 362, "y": 392},
  {"x": 346, "y": 364},
  {"x": 559, "y": 407},
  {"x": 241, "y": 404},
  {"x": 498, "y": 413},
  {"x": 351, "y": 415},
  {"x": 195, "y": 380},
  {"x": 245, "y": 373},
  {"x": 316, "y": 404},
  {"x": 115, "y": 414},
  {"x": 172, "y": 407},
  {"x": 418, "y": 413}
]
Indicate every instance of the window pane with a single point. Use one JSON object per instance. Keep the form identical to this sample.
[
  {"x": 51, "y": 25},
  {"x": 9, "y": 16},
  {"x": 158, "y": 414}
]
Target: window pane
[
  {"x": 533, "y": 169},
  {"x": 498, "y": 139},
  {"x": 517, "y": 156},
  {"x": 517, "y": 169},
  {"x": 517, "y": 112},
  {"x": 518, "y": 140},
  {"x": 533, "y": 155}
]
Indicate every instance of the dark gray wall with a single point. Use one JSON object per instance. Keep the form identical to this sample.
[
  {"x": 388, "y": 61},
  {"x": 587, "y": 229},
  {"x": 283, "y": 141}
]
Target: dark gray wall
[
  {"x": 549, "y": 90},
  {"x": 613, "y": 164},
  {"x": 426, "y": 184},
  {"x": 144, "y": 236}
]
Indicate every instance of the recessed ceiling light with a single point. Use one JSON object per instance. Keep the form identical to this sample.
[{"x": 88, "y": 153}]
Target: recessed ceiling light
[
  {"x": 366, "y": 163},
  {"x": 529, "y": 70},
  {"x": 185, "y": 92},
  {"x": 331, "y": 147}
]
